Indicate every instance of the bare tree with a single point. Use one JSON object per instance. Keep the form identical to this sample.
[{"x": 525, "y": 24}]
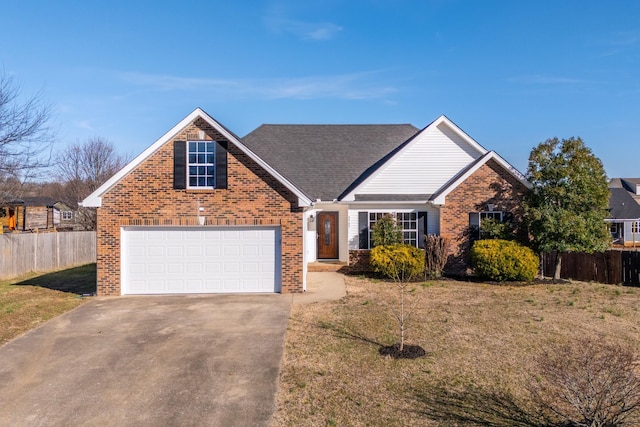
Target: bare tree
[
  {"x": 587, "y": 383},
  {"x": 25, "y": 137},
  {"x": 82, "y": 168}
]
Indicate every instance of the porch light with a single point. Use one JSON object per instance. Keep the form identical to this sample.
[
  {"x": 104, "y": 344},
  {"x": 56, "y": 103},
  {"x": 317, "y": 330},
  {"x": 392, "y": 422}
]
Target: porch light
[
  {"x": 490, "y": 207},
  {"x": 201, "y": 218}
]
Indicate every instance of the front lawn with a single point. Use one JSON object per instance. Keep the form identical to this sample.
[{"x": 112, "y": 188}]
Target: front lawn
[
  {"x": 33, "y": 299},
  {"x": 480, "y": 341}
]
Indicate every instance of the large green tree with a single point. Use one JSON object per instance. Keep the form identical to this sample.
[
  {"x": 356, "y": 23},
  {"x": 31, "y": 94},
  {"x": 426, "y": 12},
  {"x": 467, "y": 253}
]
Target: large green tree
[{"x": 566, "y": 208}]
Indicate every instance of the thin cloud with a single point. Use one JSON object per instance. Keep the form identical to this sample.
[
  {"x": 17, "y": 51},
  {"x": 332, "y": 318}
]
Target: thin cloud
[
  {"x": 305, "y": 30},
  {"x": 617, "y": 43},
  {"x": 277, "y": 22},
  {"x": 85, "y": 124},
  {"x": 344, "y": 86}
]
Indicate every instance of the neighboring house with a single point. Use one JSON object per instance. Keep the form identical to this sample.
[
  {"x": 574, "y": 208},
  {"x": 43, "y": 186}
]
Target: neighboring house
[
  {"x": 624, "y": 211},
  {"x": 64, "y": 216},
  {"x": 30, "y": 213},
  {"x": 202, "y": 210}
]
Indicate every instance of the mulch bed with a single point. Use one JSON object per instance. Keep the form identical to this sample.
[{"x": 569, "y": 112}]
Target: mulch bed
[{"x": 408, "y": 352}]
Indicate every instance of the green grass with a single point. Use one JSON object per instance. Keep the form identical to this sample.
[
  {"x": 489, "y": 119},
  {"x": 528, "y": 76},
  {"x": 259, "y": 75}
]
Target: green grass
[{"x": 30, "y": 300}]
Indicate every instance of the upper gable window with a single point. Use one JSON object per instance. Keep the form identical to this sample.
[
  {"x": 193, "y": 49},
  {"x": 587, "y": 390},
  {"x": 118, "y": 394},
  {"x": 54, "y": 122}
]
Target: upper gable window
[{"x": 201, "y": 164}]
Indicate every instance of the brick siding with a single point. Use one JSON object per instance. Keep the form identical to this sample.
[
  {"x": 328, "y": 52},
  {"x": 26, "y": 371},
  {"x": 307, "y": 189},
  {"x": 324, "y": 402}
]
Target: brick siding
[
  {"x": 146, "y": 196},
  {"x": 489, "y": 184}
]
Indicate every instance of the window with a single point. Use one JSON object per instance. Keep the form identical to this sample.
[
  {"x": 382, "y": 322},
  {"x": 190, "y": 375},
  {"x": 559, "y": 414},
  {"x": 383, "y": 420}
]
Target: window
[
  {"x": 476, "y": 218},
  {"x": 67, "y": 215},
  {"x": 408, "y": 221},
  {"x": 635, "y": 227},
  {"x": 201, "y": 164},
  {"x": 490, "y": 215}
]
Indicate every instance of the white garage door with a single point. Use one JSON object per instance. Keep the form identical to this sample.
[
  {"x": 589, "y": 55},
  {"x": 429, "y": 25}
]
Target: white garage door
[{"x": 187, "y": 260}]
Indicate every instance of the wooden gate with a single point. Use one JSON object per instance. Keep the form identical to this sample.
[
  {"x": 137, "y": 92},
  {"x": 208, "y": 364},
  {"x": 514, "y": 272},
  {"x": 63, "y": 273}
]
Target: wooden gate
[{"x": 630, "y": 267}]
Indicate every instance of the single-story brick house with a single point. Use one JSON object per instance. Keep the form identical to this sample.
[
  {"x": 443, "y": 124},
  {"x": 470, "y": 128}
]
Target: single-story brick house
[{"x": 202, "y": 210}]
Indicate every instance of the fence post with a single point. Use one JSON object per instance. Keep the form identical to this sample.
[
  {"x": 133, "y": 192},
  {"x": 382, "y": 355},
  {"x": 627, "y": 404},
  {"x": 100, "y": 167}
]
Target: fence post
[
  {"x": 57, "y": 250},
  {"x": 35, "y": 252}
]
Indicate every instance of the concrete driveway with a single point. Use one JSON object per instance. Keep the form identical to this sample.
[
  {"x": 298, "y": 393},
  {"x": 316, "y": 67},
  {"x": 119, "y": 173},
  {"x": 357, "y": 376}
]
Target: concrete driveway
[{"x": 178, "y": 360}]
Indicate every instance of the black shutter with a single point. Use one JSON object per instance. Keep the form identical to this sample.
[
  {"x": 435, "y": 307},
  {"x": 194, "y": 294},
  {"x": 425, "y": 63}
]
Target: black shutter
[
  {"x": 422, "y": 228},
  {"x": 363, "y": 227},
  {"x": 221, "y": 164},
  {"x": 474, "y": 226},
  {"x": 179, "y": 165}
]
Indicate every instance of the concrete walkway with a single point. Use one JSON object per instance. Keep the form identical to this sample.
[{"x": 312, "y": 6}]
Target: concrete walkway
[{"x": 321, "y": 286}]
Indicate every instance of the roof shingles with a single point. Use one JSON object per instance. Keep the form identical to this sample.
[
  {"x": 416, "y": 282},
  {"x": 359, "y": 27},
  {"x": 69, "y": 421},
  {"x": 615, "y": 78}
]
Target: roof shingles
[{"x": 348, "y": 151}]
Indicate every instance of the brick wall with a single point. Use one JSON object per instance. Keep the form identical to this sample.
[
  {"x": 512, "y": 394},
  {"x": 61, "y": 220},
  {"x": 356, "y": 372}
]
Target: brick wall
[
  {"x": 489, "y": 184},
  {"x": 146, "y": 196}
]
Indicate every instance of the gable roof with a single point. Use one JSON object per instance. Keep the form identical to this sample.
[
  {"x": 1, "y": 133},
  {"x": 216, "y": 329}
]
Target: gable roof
[
  {"x": 34, "y": 201},
  {"x": 95, "y": 198},
  {"x": 438, "y": 198},
  {"x": 623, "y": 202},
  {"x": 325, "y": 160},
  {"x": 379, "y": 167}
]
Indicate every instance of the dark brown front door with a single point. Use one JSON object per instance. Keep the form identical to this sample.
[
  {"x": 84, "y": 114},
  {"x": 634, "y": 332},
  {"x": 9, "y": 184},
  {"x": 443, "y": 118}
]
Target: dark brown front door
[{"x": 327, "y": 235}]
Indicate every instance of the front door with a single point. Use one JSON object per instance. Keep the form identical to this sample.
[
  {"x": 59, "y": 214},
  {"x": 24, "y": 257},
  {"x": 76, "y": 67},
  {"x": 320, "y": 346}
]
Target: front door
[{"x": 327, "y": 223}]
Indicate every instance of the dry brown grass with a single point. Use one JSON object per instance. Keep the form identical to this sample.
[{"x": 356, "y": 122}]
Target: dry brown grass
[{"x": 480, "y": 341}]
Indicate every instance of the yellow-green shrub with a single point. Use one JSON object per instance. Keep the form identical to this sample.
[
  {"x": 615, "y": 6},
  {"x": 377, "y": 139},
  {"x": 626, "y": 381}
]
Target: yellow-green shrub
[
  {"x": 501, "y": 260},
  {"x": 398, "y": 262}
]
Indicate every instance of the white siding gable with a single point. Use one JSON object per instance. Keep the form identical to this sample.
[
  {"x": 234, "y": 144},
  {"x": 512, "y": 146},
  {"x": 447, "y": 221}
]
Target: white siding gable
[{"x": 426, "y": 163}]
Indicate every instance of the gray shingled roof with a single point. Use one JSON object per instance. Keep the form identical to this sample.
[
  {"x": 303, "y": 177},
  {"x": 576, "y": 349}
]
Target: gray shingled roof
[
  {"x": 324, "y": 160},
  {"x": 34, "y": 201},
  {"x": 623, "y": 203}
]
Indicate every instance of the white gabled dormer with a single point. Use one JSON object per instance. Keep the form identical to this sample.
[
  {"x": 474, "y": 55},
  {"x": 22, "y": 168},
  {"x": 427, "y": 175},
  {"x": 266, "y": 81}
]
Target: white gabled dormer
[
  {"x": 633, "y": 184},
  {"x": 424, "y": 164}
]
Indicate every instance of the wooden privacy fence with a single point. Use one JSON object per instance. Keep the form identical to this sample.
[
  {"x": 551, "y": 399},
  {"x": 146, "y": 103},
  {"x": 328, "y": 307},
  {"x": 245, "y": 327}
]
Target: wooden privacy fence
[
  {"x": 25, "y": 252},
  {"x": 613, "y": 267}
]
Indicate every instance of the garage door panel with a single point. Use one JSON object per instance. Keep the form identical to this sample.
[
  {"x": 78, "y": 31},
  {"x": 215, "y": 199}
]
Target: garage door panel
[
  {"x": 192, "y": 235},
  {"x": 157, "y": 269},
  {"x": 231, "y": 267},
  {"x": 250, "y": 267},
  {"x": 159, "y": 260},
  {"x": 213, "y": 251},
  {"x": 193, "y": 251},
  {"x": 250, "y": 251},
  {"x": 232, "y": 250}
]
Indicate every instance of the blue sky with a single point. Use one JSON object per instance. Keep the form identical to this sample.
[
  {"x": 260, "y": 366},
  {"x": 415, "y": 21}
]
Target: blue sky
[{"x": 510, "y": 73}]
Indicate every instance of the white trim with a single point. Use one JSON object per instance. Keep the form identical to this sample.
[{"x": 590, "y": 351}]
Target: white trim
[
  {"x": 387, "y": 202},
  {"x": 350, "y": 197},
  {"x": 95, "y": 199},
  {"x": 449, "y": 187}
]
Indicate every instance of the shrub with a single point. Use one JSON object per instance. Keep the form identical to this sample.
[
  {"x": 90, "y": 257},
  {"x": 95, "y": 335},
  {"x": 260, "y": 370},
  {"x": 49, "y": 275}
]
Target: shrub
[
  {"x": 587, "y": 383},
  {"x": 501, "y": 260},
  {"x": 398, "y": 262},
  {"x": 436, "y": 253},
  {"x": 386, "y": 231},
  {"x": 494, "y": 229}
]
